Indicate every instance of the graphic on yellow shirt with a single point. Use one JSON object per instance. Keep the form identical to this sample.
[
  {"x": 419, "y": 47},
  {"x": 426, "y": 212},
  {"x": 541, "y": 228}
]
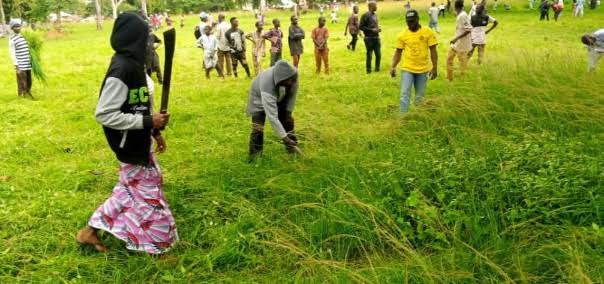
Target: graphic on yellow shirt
[{"x": 416, "y": 49}]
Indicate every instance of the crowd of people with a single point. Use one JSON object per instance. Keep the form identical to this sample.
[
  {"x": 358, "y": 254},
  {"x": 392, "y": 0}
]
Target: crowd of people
[{"x": 137, "y": 212}]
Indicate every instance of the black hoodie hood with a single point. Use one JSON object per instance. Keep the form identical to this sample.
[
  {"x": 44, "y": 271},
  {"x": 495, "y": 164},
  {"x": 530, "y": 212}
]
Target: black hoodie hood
[{"x": 129, "y": 36}]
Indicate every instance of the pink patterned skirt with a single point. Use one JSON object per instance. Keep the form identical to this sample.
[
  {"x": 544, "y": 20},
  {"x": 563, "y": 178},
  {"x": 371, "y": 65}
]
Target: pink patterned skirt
[{"x": 137, "y": 212}]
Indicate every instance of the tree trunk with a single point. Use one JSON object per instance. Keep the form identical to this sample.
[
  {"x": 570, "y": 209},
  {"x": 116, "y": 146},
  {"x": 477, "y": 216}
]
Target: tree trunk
[
  {"x": 58, "y": 22},
  {"x": 114, "y": 9},
  {"x": 114, "y": 5},
  {"x": 3, "y": 30},
  {"x": 144, "y": 8},
  {"x": 99, "y": 15}
]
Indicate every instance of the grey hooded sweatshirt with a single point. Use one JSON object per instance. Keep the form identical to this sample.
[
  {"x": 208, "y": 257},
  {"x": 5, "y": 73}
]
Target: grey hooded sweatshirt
[{"x": 265, "y": 95}]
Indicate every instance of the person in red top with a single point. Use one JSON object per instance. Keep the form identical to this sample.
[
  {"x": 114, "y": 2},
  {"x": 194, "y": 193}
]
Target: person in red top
[
  {"x": 557, "y": 7},
  {"x": 319, "y": 36}
]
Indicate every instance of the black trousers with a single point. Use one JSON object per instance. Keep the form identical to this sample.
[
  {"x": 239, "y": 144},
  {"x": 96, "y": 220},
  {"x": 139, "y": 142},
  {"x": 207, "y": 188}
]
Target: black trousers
[
  {"x": 353, "y": 42},
  {"x": 239, "y": 57},
  {"x": 257, "y": 136},
  {"x": 24, "y": 82},
  {"x": 275, "y": 57},
  {"x": 544, "y": 15},
  {"x": 373, "y": 46}
]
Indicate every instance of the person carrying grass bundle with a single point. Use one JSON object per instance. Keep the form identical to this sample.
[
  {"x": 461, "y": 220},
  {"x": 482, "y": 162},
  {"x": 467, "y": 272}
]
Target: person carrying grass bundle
[
  {"x": 462, "y": 43},
  {"x": 595, "y": 48},
  {"x": 273, "y": 94},
  {"x": 413, "y": 45},
  {"x": 137, "y": 211},
  {"x": 21, "y": 57}
]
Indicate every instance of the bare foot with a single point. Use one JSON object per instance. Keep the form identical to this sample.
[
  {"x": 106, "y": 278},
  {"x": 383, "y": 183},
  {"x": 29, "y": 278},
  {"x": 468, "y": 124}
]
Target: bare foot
[{"x": 87, "y": 236}]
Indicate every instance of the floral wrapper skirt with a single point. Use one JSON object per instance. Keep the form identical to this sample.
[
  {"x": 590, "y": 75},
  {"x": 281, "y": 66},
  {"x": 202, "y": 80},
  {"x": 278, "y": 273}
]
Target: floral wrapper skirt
[{"x": 137, "y": 212}]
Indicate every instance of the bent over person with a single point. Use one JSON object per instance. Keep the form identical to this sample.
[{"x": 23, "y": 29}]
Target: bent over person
[
  {"x": 595, "y": 48},
  {"x": 136, "y": 212},
  {"x": 273, "y": 95}
]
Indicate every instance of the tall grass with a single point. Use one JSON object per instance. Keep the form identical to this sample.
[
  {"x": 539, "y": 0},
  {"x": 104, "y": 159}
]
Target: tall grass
[
  {"x": 496, "y": 178},
  {"x": 35, "y": 47}
]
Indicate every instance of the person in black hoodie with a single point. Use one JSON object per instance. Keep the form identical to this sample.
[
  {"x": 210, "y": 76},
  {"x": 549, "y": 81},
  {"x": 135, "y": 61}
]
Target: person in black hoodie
[{"x": 136, "y": 212}]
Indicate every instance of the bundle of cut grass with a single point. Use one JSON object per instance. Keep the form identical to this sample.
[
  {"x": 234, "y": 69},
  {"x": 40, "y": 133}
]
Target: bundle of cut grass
[{"x": 35, "y": 45}]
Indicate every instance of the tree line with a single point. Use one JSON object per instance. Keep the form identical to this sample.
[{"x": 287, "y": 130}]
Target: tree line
[{"x": 34, "y": 11}]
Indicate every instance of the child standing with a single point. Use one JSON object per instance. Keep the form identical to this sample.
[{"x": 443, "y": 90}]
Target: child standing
[
  {"x": 209, "y": 43},
  {"x": 275, "y": 36},
  {"x": 319, "y": 36},
  {"x": 258, "y": 50}
]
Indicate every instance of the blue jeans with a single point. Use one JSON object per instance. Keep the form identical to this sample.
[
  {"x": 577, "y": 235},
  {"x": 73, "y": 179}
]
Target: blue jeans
[
  {"x": 408, "y": 80},
  {"x": 434, "y": 25}
]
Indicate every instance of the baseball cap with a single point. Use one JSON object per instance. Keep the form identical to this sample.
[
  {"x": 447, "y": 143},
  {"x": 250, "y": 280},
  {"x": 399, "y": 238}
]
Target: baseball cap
[{"x": 411, "y": 15}]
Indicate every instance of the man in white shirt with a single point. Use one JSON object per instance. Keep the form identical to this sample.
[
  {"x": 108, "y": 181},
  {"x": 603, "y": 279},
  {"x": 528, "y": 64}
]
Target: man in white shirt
[
  {"x": 595, "y": 48},
  {"x": 479, "y": 22},
  {"x": 462, "y": 43},
  {"x": 579, "y": 8},
  {"x": 441, "y": 9},
  {"x": 224, "y": 51},
  {"x": 433, "y": 12}
]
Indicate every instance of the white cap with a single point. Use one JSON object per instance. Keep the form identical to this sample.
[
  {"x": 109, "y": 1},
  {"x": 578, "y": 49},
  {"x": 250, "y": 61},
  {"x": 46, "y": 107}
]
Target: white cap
[
  {"x": 203, "y": 15},
  {"x": 15, "y": 22}
]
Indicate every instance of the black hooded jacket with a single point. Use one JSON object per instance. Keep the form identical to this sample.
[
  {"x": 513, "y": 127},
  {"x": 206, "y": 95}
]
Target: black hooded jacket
[{"x": 124, "y": 107}]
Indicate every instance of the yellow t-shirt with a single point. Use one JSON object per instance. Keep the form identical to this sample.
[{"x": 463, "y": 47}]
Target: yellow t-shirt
[{"x": 416, "y": 49}]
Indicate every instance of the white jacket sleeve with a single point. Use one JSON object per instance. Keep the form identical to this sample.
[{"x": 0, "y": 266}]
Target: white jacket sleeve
[
  {"x": 269, "y": 103},
  {"x": 108, "y": 110},
  {"x": 11, "y": 49}
]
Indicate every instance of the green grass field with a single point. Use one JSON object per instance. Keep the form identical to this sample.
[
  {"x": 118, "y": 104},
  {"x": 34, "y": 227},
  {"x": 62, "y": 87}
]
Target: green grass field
[{"x": 497, "y": 177}]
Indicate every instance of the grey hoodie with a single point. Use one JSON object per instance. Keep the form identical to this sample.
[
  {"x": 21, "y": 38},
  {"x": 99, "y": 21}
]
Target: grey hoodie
[{"x": 266, "y": 96}]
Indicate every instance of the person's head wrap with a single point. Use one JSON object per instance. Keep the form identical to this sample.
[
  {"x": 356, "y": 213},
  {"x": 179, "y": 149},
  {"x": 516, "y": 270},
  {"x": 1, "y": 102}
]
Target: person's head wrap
[{"x": 15, "y": 23}]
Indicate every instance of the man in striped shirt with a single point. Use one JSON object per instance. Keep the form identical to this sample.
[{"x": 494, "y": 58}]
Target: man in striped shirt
[{"x": 19, "y": 51}]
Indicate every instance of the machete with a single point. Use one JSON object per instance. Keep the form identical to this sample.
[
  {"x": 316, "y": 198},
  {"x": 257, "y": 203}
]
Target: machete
[{"x": 169, "y": 44}]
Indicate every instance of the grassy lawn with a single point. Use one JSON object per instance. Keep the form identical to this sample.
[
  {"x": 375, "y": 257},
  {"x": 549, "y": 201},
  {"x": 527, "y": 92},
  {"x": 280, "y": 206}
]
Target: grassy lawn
[{"x": 497, "y": 177}]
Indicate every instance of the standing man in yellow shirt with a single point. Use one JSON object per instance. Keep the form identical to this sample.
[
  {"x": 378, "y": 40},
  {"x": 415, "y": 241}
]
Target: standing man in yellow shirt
[{"x": 413, "y": 45}]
